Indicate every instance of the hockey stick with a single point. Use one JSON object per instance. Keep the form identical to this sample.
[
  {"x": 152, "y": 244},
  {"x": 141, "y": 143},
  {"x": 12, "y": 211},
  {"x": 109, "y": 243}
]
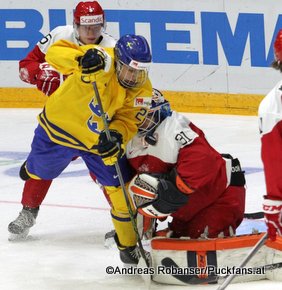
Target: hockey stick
[
  {"x": 254, "y": 250},
  {"x": 254, "y": 215},
  {"x": 118, "y": 170}
]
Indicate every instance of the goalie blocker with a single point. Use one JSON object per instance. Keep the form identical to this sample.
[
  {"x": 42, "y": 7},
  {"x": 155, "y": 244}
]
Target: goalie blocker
[{"x": 182, "y": 262}]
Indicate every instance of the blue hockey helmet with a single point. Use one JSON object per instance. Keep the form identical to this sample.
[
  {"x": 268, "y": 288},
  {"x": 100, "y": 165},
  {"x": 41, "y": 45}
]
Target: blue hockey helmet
[
  {"x": 159, "y": 110},
  {"x": 133, "y": 58}
]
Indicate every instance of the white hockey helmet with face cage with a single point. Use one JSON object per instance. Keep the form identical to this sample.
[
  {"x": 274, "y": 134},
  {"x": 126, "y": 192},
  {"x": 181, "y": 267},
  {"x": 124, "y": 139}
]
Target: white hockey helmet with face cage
[{"x": 159, "y": 110}]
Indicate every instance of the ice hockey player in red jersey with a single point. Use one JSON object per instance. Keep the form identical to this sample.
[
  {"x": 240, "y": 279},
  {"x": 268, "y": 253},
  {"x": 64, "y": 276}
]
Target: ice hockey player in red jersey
[
  {"x": 88, "y": 28},
  {"x": 179, "y": 174},
  {"x": 186, "y": 177},
  {"x": 200, "y": 188},
  {"x": 270, "y": 118}
]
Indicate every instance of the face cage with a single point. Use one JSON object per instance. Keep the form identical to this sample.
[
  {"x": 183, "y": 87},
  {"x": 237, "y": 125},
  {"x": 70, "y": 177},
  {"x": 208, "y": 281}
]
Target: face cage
[
  {"x": 151, "y": 121},
  {"x": 130, "y": 77}
]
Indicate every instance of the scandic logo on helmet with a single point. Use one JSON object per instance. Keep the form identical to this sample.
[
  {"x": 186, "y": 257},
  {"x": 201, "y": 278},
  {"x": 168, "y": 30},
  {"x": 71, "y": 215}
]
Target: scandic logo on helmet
[{"x": 90, "y": 20}]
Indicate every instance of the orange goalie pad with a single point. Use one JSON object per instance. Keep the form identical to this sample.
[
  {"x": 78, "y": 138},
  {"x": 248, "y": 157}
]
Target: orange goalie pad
[
  {"x": 174, "y": 258},
  {"x": 205, "y": 245}
]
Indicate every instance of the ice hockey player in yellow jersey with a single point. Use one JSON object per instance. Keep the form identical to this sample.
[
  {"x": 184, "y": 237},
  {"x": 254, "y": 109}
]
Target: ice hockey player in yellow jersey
[{"x": 71, "y": 125}]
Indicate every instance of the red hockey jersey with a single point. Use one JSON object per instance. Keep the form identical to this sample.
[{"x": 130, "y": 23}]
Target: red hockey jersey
[
  {"x": 182, "y": 145},
  {"x": 29, "y": 66},
  {"x": 270, "y": 118}
]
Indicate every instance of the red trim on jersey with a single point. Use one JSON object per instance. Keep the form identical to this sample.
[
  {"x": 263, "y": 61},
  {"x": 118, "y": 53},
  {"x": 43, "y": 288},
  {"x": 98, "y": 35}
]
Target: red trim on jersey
[{"x": 30, "y": 64}]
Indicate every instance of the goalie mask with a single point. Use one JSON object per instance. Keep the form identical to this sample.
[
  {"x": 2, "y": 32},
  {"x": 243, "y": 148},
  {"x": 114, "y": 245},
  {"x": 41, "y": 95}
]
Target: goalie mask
[{"x": 159, "y": 110}]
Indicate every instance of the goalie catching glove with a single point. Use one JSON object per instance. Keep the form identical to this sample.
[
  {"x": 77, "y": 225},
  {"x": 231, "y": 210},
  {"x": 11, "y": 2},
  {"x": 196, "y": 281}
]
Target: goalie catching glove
[
  {"x": 110, "y": 150},
  {"x": 155, "y": 197}
]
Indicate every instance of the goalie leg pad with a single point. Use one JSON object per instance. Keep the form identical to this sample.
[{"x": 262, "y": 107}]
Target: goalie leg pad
[
  {"x": 274, "y": 256},
  {"x": 182, "y": 262},
  {"x": 146, "y": 226}
]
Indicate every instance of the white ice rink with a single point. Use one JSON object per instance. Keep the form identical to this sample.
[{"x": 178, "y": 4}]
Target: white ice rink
[{"x": 65, "y": 249}]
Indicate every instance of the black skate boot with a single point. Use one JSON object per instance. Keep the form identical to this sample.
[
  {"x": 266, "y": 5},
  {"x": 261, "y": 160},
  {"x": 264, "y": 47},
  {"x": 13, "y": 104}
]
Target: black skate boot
[
  {"x": 19, "y": 228},
  {"x": 129, "y": 255}
]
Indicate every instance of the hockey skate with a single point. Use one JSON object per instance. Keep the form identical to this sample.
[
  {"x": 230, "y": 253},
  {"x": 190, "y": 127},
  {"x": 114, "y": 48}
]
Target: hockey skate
[
  {"x": 128, "y": 255},
  {"x": 19, "y": 228}
]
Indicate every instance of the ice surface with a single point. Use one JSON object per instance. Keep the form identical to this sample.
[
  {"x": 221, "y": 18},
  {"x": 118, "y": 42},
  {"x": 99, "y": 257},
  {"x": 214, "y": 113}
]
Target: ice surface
[{"x": 65, "y": 249}]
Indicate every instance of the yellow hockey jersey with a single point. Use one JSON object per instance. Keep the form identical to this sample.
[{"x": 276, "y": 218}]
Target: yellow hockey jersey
[{"x": 71, "y": 116}]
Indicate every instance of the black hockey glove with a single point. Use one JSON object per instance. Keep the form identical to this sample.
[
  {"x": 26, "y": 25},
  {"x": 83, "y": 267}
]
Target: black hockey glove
[
  {"x": 92, "y": 61},
  {"x": 170, "y": 199},
  {"x": 110, "y": 150}
]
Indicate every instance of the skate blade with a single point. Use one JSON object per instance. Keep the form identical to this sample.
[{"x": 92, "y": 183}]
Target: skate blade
[
  {"x": 18, "y": 237},
  {"x": 109, "y": 241}
]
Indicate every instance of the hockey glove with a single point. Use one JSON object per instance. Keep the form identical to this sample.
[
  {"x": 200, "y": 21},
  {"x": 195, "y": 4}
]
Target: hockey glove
[
  {"x": 273, "y": 217},
  {"x": 47, "y": 80},
  {"x": 110, "y": 150},
  {"x": 155, "y": 197},
  {"x": 92, "y": 61}
]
